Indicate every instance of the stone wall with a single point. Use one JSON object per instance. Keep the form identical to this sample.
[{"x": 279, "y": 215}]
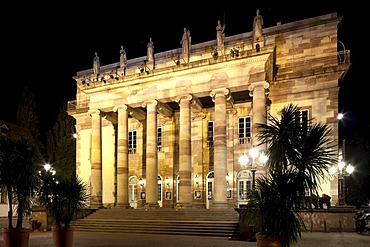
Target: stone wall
[{"x": 334, "y": 219}]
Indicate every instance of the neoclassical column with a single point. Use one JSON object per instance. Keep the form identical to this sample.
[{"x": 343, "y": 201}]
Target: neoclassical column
[
  {"x": 122, "y": 156},
  {"x": 185, "y": 150},
  {"x": 151, "y": 153},
  {"x": 219, "y": 96},
  {"x": 96, "y": 161},
  {"x": 259, "y": 110}
]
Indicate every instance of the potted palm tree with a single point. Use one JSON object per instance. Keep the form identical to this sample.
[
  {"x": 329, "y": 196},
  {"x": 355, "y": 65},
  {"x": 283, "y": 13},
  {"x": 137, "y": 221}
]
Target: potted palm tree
[
  {"x": 19, "y": 166},
  {"x": 65, "y": 199},
  {"x": 299, "y": 156}
]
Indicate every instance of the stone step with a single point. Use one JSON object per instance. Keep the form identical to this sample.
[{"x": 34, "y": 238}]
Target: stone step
[{"x": 221, "y": 223}]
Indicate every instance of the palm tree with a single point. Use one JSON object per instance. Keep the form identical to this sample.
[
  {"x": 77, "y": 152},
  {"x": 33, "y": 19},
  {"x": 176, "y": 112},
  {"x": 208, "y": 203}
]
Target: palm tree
[
  {"x": 304, "y": 148},
  {"x": 19, "y": 166},
  {"x": 300, "y": 155},
  {"x": 65, "y": 198}
]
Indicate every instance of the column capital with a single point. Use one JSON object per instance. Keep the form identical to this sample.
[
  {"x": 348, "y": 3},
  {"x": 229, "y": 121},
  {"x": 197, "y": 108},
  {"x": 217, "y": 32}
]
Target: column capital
[
  {"x": 201, "y": 115},
  {"x": 149, "y": 102},
  {"x": 232, "y": 111},
  {"x": 188, "y": 97},
  {"x": 220, "y": 91},
  {"x": 94, "y": 111},
  {"x": 123, "y": 107},
  {"x": 253, "y": 85}
]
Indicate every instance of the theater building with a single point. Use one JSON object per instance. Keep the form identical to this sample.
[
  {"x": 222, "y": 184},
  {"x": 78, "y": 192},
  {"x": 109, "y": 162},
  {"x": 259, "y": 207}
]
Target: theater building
[{"x": 169, "y": 128}]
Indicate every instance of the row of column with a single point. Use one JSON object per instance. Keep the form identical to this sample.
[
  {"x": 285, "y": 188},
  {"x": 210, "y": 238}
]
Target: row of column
[{"x": 220, "y": 97}]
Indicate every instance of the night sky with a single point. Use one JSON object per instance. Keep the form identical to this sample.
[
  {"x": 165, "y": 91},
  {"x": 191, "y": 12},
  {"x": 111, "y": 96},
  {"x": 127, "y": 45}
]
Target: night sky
[{"x": 45, "y": 45}]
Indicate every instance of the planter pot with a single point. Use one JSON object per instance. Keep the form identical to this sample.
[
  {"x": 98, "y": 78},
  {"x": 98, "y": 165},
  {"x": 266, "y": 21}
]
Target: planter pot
[
  {"x": 63, "y": 237},
  {"x": 269, "y": 241},
  {"x": 16, "y": 237}
]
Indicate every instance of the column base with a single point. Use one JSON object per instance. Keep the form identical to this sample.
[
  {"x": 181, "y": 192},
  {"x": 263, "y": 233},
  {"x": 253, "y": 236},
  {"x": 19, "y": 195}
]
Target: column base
[
  {"x": 123, "y": 205},
  {"x": 220, "y": 205},
  {"x": 148, "y": 206},
  {"x": 345, "y": 206},
  {"x": 184, "y": 205}
]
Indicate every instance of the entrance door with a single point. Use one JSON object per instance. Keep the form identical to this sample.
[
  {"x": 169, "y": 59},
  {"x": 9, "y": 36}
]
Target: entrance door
[
  {"x": 244, "y": 181},
  {"x": 160, "y": 191},
  {"x": 132, "y": 192},
  {"x": 177, "y": 188},
  {"x": 209, "y": 190}
]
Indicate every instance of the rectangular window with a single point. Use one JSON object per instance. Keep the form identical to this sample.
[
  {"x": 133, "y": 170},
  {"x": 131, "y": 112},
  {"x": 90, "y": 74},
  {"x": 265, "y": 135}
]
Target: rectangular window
[
  {"x": 244, "y": 130},
  {"x": 303, "y": 120},
  {"x": 159, "y": 139},
  {"x": 159, "y": 195},
  {"x": 209, "y": 191},
  {"x": 132, "y": 142},
  {"x": 210, "y": 130},
  {"x": 2, "y": 195}
]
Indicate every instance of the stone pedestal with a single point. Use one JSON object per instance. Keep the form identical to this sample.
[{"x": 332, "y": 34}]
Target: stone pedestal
[{"x": 39, "y": 215}]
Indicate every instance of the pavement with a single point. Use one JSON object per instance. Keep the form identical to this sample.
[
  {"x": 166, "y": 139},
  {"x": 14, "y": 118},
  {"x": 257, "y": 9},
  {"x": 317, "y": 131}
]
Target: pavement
[
  {"x": 97, "y": 239},
  {"x": 100, "y": 239}
]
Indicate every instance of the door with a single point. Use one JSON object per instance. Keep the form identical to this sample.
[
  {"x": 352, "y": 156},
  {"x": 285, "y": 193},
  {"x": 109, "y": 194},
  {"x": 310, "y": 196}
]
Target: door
[
  {"x": 132, "y": 192},
  {"x": 209, "y": 190},
  {"x": 244, "y": 182},
  {"x": 160, "y": 191}
]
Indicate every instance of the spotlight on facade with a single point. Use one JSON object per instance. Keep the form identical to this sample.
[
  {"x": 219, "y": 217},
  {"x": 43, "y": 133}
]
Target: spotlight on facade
[
  {"x": 234, "y": 52},
  {"x": 167, "y": 181},
  {"x": 215, "y": 53},
  {"x": 228, "y": 178},
  {"x": 141, "y": 182}
]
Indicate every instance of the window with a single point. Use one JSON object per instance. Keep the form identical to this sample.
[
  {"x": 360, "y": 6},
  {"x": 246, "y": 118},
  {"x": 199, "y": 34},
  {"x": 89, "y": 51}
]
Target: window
[
  {"x": 132, "y": 142},
  {"x": 4, "y": 130},
  {"x": 159, "y": 195},
  {"x": 244, "y": 130},
  {"x": 2, "y": 195},
  {"x": 302, "y": 120},
  {"x": 245, "y": 185},
  {"x": 210, "y": 134},
  {"x": 159, "y": 139}
]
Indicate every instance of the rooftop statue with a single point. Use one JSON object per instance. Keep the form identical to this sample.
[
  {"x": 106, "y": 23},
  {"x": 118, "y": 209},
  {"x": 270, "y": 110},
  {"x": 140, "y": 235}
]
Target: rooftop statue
[
  {"x": 186, "y": 44},
  {"x": 220, "y": 30},
  {"x": 96, "y": 64},
  {"x": 257, "y": 26},
  {"x": 150, "y": 53}
]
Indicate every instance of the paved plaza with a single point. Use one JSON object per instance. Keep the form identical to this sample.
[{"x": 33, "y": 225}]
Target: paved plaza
[{"x": 96, "y": 239}]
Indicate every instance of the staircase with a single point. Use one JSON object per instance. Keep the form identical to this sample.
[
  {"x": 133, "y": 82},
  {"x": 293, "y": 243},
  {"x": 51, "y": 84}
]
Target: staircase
[{"x": 197, "y": 222}]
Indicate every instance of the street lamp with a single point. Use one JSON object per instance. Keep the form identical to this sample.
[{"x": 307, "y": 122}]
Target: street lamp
[
  {"x": 343, "y": 169},
  {"x": 48, "y": 169},
  {"x": 254, "y": 153}
]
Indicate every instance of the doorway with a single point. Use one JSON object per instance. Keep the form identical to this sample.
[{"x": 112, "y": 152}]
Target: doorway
[{"x": 209, "y": 189}]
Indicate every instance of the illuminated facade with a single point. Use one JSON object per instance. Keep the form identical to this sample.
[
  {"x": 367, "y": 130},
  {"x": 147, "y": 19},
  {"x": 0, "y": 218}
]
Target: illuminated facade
[{"x": 171, "y": 130}]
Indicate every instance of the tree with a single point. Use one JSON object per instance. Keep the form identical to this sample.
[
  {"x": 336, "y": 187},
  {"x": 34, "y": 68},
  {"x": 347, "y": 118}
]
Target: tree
[
  {"x": 305, "y": 148},
  {"x": 358, "y": 154},
  {"x": 19, "y": 165},
  {"x": 300, "y": 154},
  {"x": 61, "y": 145},
  {"x": 27, "y": 117}
]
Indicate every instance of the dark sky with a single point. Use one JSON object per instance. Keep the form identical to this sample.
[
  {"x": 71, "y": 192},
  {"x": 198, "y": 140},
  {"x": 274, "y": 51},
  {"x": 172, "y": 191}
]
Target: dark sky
[{"x": 45, "y": 45}]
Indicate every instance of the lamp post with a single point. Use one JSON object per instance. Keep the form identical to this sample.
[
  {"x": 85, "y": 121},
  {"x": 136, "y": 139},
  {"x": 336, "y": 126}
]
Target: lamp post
[
  {"x": 254, "y": 153},
  {"x": 343, "y": 169}
]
